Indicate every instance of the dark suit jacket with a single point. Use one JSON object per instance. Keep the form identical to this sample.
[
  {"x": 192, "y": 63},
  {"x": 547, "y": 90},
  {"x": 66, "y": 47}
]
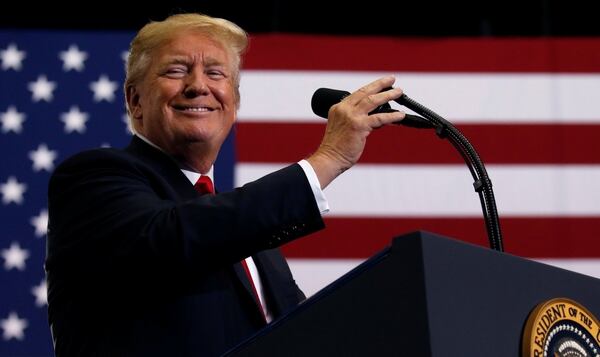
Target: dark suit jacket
[{"x": 139, "y": 264}]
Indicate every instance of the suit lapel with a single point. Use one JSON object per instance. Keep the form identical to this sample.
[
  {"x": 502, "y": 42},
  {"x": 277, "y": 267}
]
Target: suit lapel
[
  {"x": 241, "y": 275},
  {"x": 165, "y": 165}
]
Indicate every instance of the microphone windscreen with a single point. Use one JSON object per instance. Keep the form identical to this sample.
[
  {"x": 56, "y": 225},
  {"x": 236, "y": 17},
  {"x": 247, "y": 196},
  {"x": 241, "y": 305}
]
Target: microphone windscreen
[{"x": 324, "y": 98}]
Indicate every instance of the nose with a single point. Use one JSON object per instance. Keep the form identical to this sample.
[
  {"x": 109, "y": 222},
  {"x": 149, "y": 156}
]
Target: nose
[{"x": 196, "y": 86}]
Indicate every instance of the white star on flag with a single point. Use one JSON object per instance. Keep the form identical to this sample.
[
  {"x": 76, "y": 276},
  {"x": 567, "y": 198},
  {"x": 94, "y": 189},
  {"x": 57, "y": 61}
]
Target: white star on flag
[
  {"x": 128, "y": 127},
  {"x": 14, "y": 257},
  {"x": 12, "y": 57},
  {"x": 73, "y": 58},
  {"x": 74, "y": 120},
  {"x": 43, "y": 158},
  {"x": 13, "y": 327},
  {"x": 12, "y": 120},
  {"x": 40, "y": 223},
  {"x": 41, "y": 293},
  {"x": 104, "y": 89},
  {"x": 12, "y": 191},
  {"x": 125, "y": 57},
  {"x": 42, "y": 89}
]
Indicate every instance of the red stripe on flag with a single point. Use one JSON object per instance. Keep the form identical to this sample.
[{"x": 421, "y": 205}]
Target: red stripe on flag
[
  {"x": 547, "y": 237},
  {"x": 496, "y": 144},
  {"x": 337, "y": 53}
]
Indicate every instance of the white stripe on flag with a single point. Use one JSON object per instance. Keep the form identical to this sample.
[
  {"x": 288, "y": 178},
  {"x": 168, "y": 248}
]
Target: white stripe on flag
[
  {"x": 447, "y": 191},
  {"x": 461, "y": 98}
]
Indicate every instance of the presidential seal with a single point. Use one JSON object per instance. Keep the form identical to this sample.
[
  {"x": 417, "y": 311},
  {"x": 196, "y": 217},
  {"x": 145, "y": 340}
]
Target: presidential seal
[{"x": 561, "y": 328}]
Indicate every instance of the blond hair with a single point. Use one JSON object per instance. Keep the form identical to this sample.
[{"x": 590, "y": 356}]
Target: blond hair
[{"x": 156, "y": 33}]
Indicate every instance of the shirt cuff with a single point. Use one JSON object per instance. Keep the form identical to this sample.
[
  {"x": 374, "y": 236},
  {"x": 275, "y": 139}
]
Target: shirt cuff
[{"x": 315, "y": 186}]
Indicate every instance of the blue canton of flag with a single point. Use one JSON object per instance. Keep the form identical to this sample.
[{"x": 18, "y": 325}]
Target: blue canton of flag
[{"x": 60, "y": 93}]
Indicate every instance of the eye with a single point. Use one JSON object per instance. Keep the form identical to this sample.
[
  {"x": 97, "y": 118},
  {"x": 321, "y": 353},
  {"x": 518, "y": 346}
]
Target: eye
[
  {"x": 175, "y": 71},
  {"x": 215, "y": 73}
]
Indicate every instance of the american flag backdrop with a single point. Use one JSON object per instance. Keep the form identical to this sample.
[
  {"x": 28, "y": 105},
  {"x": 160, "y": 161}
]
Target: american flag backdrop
[{"x": 531, "y": 107}]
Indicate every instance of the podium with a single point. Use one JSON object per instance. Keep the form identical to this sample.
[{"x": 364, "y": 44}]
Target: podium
[{"x": 425, "y": 295}]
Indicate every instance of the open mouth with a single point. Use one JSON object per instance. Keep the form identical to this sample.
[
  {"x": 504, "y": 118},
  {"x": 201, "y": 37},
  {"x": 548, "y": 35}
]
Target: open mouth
[{"x": 192, "y": 109}]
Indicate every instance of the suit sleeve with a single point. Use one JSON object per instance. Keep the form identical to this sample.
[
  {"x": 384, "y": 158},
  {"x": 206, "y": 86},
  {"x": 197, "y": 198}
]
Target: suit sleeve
[{"x": 109, "y": 217}]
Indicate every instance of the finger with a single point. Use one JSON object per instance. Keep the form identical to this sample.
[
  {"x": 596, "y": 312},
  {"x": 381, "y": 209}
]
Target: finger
[
  {"x": 372, "y": 88},
  {"x": 372, "y": 101},
  {"x": 381, "y": 119}
]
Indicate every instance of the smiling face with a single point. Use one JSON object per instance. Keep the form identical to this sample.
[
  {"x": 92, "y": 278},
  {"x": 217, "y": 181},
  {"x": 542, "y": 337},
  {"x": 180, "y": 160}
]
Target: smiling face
[{"x": 186, "y": 102}]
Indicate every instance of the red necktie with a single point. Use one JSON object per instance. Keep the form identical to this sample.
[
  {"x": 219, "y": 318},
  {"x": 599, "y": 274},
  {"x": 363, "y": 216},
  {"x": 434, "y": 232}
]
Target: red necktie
[{"x": 203, "y": 186}]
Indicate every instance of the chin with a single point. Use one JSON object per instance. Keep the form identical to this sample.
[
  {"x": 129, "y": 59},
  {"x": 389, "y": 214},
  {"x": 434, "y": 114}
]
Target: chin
[
  {"x": 197, "y": 138},
  {"x": 207, "y": 135}
]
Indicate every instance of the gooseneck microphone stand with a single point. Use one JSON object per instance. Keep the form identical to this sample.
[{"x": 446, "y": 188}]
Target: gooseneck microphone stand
[{"x": 482, "y": 183}]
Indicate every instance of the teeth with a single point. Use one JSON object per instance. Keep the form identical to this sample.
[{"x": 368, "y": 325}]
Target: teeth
[{"x": 201, "y": 109}]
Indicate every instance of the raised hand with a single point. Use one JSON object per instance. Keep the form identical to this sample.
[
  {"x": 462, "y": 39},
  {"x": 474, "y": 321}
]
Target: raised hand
[{"x": 348, "y": 126}]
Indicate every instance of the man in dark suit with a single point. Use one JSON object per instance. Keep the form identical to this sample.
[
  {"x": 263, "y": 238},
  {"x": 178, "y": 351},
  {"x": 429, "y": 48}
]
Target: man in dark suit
[{"x": 139, "y": 263}]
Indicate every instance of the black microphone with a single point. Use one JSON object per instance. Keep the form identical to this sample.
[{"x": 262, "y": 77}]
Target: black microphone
[{"x": 325, "y": 98}]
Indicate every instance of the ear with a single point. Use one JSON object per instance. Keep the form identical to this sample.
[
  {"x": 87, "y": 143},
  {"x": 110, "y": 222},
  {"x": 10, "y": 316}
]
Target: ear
[{"x": 134, "y": 103}]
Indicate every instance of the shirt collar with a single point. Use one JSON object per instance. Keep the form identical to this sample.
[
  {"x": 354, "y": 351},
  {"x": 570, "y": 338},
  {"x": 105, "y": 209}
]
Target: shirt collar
[{"x": 194, "y": 176}]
